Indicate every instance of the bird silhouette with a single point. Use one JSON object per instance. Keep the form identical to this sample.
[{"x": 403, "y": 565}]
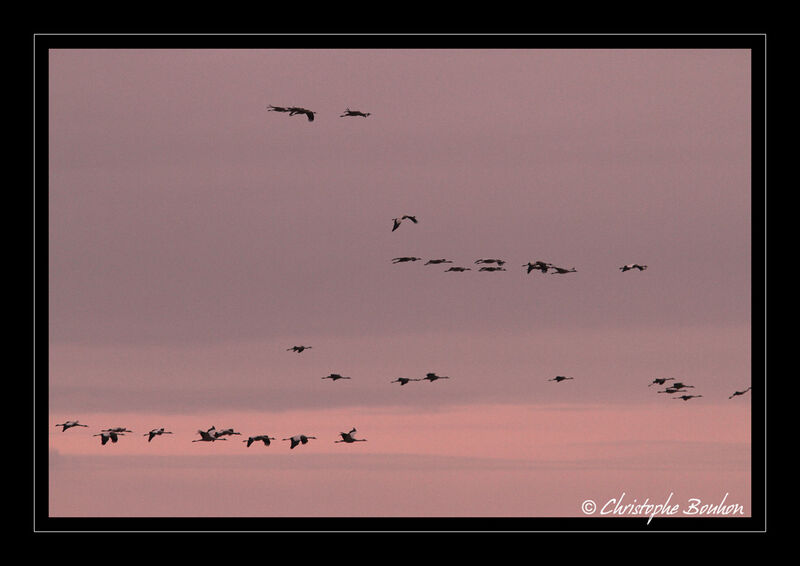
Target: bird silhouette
[
  {"x": 681, "y": 385},
  {"x": 661, "y": 381},
  {"x": 670, "y": 390},
  {"x": 437, "y": 261},
  {"x": 735, "y": 393},
  {"x": 348, "y": 437},
  {"x": 226, "y": 432},
  {"x": 349, "y": 112},
  {"x": 497, "y": 261},
  {"x": 560, "y": 378},
  {"x": 405, "y": 259},
  {"x": 630, "y": 266},
  {"x": 262, "y": 437},
  {"x": 397, "y": 221},
  {"x": 117, "y": 429},
  {"x": 209, "y": 435},
  {"x": 433, "y": 377},
  {"x": 458, "y": 269},
  {"x": 492, "y": 269},
  {"x": 272, "y": 108},
  {"x": 335, "y": 376},
  {"x": 298, "y": 110},
  {"x": 156, "y": 432},
  {"x": 403, "y": 380},
  {"x": 69, "y": 424},
  {"x": 298, "y": 349},
  {"x": 562, "y": 270},
  {"x": 299, "y": 439},
  {"x": 538, "y": 265},
  {"x": 106, "y": 435},
  {"x": 687, "y": 397}
]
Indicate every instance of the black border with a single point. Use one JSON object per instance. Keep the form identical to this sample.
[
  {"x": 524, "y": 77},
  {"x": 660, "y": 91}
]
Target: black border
[{"x": 42, "y": 41}]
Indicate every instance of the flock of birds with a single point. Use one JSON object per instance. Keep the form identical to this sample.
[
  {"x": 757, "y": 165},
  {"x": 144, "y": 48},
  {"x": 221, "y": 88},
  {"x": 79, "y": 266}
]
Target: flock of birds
[
  {"x": 498, "y": 264},
  {"x": 294, "y": 110},
  {"x": 487, "y": 265},
  {"x": 209, "y": 435}
]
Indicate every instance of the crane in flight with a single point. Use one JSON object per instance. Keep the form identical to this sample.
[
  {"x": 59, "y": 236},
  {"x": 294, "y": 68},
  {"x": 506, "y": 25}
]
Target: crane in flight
[
  {"x": 687, "y": 397},
  {"x": 403, "y": 380},
  {"x": 560, "y": 378},
  {"x": 405, "y": 259},
  {"x": 348, "y": 437},
  {"x": 661, "y": 381},
  {"x": 108, "y": 434},
  {"x": 349, "y": 112},
  {"x": 226, "y": 432},
  {"x": 298, "y": 349},
  {"x": 298, "y": 110},
  {"x": 735, "y": 393},
  {"x": 156, "y": 432},
  {"x": 335, "y": 376},
  {"x": 437, "y": 261},
  {"x": 397, "y": 221},
  {"x": 433, "y": 377},
  {"x": 458, "y": 269},
  {"x": 562, "y": 270},
  {"x": 209, "y": 435},
  {"x": 630, "y": 266},
  {"x": 299, "y": 439},
  {"x": 69, "y": 424},
  {"x": 538, "y": 265},
  {"x": 262, "y": 437}
]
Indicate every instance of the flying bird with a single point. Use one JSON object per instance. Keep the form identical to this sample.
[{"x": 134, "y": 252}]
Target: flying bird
[
  {"x": 299, "y": 439},
  {"x": 348, "y": 437},
  {"x": 670, "y": 390},
  {"x": 458, "y": 269},
  {"x": 560, "y": 378},
  {"x": 104, "y": 436},
  {"x": 225, "y": 432},
  {"x": 630, "y": 266},
  {"x": 405, "y": 259},
  {"x": 735, "y": 393},
  {"x": 298, "y": 349},
  {"x": 69, "y": 424},
  {"x": 562, "y": 270},
  {"x": 298, "y": 110},
  {"x": 398, "y": 221},
  {"x": 538, "y": 265},
  {"x": 687, "y": 397},
  {"x": 272, "y": 108},
  {"x": 492, "y": 269},
  {"x": 433, "y": 377},
  {"x": 116, "y": 429},
  {"x": 661, "y": 380},
  {"x": 263, "y": 437},
  {"x": 349, "y": 112},
  {"x": 156, "y": 432},
  {"x": 335, "y": 376},
  {"x": 681, "y": 385},
  {"x": 403, "y": 380},
  {"x": 209, "y": 435},
  {"x": 497, "y": 261},
  {"x": 437, "y": 261}
]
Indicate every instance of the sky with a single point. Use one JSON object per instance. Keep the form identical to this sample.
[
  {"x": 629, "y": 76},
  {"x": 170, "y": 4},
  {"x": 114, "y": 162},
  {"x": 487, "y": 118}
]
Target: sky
[{"x": 195, "y": 236}]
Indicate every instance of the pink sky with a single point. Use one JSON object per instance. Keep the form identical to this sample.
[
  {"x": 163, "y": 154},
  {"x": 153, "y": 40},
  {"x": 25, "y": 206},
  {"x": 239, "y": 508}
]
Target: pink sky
[{"x": 194, "y": 236}]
